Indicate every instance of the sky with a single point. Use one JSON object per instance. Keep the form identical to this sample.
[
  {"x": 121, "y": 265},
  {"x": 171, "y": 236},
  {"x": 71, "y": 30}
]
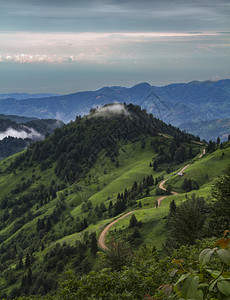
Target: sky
[{"x": 66, "y": 46}]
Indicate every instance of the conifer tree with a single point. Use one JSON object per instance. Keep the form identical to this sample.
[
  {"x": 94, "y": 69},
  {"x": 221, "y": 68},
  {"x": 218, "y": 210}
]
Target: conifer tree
[
  {"x": 133, "y": 221},
  {"x": 186, "y": 223},
  {"x": 93, "y": 243}
]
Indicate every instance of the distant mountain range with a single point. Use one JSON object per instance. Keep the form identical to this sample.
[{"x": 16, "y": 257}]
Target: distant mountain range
[
  {"x": 175, "y": 103},
  {"x": 20, "y": 96},
  {"x": 209, "y": 130}
]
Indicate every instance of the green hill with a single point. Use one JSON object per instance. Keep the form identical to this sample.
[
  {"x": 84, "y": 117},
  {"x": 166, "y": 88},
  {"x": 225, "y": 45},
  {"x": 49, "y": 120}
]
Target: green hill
[{"x": 58, "y": 195}]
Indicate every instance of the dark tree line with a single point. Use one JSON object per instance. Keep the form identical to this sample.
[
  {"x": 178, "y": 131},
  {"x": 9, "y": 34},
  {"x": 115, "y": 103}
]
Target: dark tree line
[{"x": 76, "y": 146}]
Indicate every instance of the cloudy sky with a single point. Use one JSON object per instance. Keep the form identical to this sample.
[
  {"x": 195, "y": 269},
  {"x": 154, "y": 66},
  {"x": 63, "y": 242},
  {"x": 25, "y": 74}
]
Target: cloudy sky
[{"x": 64, "y": 46}]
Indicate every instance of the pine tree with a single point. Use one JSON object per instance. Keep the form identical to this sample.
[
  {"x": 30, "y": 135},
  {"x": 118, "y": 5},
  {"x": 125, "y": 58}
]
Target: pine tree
[
  {"x": 172, "y": 208},
  {"x": 29, "y": 277},
  {"x": 133, "y": 221},
  {"x": 48, "y": 225},
  {"x": 93, "y": 243},
  {"x": 186, "y": 223},
  {"x": 190, "y": 154},
  {"x": 27, "y": 262},
  {"x": 154, "y": 165},
  {"x": 172, "y": 148},
  {"x": 136, "y": 233},
  {"x": 85, "y": 224},
  {"x": 134, "y": 187},
  {"x": 110, "y": 208}
]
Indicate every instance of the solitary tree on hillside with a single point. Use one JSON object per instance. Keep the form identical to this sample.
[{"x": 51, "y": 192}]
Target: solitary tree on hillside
[{"x": 133, "y": 221}]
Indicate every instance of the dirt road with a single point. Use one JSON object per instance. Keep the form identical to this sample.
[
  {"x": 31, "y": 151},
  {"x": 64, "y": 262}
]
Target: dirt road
[
  {"x": 203, "y": 153},
  {"x": 101, "y": 240},
  {"x": 161, "y": 186}
]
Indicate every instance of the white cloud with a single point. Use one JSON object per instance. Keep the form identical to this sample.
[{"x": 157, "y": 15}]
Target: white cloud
[
  {"x": 23, "y": 134},
  {"x": 113, "y": 109},
  {"x": 87, "y": 47}
]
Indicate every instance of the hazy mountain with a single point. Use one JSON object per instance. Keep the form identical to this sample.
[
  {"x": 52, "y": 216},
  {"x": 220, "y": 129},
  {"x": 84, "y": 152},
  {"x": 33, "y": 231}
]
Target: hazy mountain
[
  {"x": 209, "y": 129},
  {"x": 17, "y": 119},
  {"x": 20, "y": 96},
  {"x": 175, "y": 103}
]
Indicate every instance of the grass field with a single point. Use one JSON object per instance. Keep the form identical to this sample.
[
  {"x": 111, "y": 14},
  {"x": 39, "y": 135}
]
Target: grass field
[{"x": 105, "y": 180}]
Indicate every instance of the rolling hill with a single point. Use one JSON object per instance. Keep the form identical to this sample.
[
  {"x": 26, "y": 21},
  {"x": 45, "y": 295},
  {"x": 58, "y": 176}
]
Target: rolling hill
[{"x": 58, "y": 195}]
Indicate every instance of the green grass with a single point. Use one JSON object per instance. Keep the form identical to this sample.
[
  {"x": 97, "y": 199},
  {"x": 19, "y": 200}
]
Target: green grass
[
  {"x": 203, "y": 170},
  {"x": 106, "y": 180},
  {"x": 133, "y": 166}
]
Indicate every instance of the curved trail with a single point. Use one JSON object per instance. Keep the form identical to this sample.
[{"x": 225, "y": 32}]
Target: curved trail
[
  {"x": 101, "y": 239},
  {"x": 161, "y": 186}
]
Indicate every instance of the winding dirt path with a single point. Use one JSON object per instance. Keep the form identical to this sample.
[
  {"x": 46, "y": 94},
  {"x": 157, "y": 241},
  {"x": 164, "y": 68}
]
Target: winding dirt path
[
  {"x": 101, "y": 239},
  {"x": 161, "y": 186}
]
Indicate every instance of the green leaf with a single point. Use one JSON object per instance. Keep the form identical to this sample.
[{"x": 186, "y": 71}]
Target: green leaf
[
  {"x": 205, "y": 255},
  {"x": 212, "y": 285},
  {"x": 183, "y": 277},
  {"x": 190, "y": 288},
  {"x": 173, "y": 272},
  {"x": 214, "y": 273},
  {"x": 224, "y": 255},
  {"x": 224, "y": 287}
]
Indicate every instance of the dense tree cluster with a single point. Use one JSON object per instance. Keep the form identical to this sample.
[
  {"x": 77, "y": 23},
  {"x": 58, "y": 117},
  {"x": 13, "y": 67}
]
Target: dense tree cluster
[
  {"x": 10, "y": 145},
  {"x": 173, "y": 152},
  {"x": 76, "y": 146},
  {"x": 220, "y": 215},
  {"x": 186, "y": 221},
  {"x": 38, "y": 277}
]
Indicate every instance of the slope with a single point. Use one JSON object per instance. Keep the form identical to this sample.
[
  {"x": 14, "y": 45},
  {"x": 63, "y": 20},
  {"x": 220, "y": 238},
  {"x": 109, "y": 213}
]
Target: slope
[{"x": 55, "y": 195}]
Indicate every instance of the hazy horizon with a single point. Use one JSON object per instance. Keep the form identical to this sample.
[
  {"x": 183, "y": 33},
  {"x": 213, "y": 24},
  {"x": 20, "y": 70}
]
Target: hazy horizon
[{"x": 65, "y": 47}]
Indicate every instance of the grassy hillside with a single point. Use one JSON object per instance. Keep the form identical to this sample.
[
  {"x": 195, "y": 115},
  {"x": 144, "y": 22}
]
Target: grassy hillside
[{"x": 57, "y": 196}]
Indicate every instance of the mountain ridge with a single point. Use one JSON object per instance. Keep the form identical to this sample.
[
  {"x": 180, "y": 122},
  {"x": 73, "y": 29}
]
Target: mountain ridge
[{"x": 175, "y": 103}]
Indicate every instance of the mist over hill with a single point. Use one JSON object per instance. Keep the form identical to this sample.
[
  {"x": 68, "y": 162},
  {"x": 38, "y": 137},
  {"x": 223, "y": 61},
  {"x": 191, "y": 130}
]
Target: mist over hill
[
  {"x": 175, "y": 103},
  {"x": 16, "y": 133}
]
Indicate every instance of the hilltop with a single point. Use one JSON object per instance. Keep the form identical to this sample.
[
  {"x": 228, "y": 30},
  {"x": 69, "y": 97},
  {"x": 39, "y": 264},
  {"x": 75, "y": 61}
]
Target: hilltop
[{"x": 58, "y": 195}]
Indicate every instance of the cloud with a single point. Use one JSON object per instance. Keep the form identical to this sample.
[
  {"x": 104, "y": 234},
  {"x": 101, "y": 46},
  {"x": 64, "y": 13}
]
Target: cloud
[
  {"x": 103, "y": 47},
  {"x": 23, "y": 134},
  {"x": 100, "y": 15},
  {"x": 114, "y": 109}
]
